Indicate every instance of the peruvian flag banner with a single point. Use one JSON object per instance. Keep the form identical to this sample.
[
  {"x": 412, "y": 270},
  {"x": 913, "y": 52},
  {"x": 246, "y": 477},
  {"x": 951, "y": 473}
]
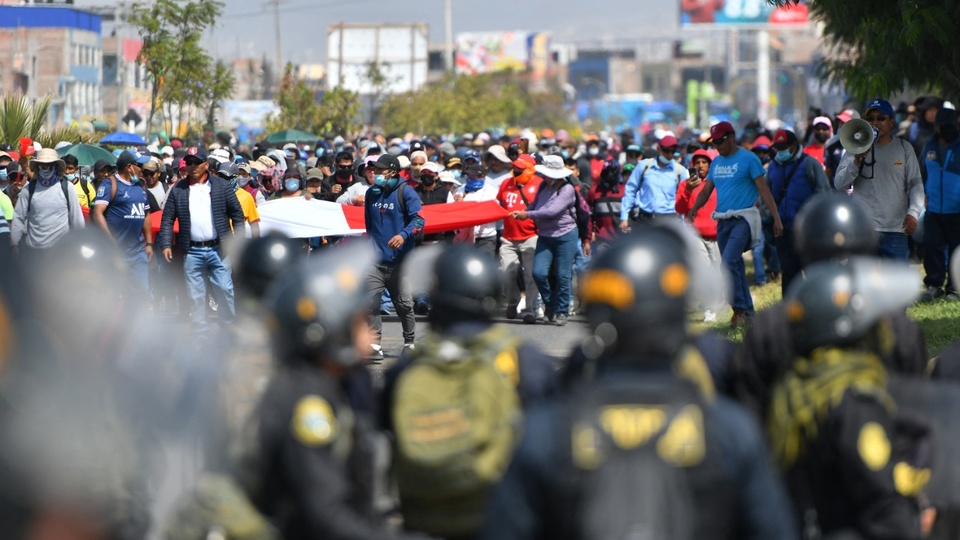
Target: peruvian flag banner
[{"x": 297, "y": 217}]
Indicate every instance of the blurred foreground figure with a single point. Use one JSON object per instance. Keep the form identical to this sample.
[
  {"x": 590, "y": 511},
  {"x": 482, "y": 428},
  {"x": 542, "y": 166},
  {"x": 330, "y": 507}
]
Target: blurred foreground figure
[
  {"x": 644, "y": 448},
  {"x": 853, "y": 465},
  {"x": 315, "y": 461},
  {"x": 78, "y": 427}
]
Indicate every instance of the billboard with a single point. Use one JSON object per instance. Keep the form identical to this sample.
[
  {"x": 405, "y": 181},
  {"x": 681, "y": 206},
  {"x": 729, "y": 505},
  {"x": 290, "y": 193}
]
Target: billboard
[
  {"x": 740, "y": 12},
  {"x": 489, "y": 52},
  {"x": 401, "y": 51}
]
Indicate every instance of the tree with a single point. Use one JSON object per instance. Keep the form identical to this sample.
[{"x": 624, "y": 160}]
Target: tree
[
  {"x": 172, "y": 51},
  {"x": 219, "y": 89},
  {"x": 21, "y": 118},
  {"x": 376, "y": 77},
  {"x": 879, "y": 48},
  {"x": 337, "y": 112}
]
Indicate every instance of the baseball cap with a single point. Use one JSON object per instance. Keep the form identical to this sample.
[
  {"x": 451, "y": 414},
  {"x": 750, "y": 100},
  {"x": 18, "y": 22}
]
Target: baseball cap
[
  {"x": 471, "y": 154},
  {"x": 760, "y": 143},
  {"x": 525, "y": 161},
  {"x": 783, "y": 139},
  {"x": 100, "y": 165},
  {"x": 228, "y": 169},
  {"x": 946, "y": 116},
  {"x": 454, "y": 162},
  {"x": 416, "y": 146},
  {"x": 668, "y": 141},
  {"x": 822, "y": 120},
  {"x": 848, "y": 115},
  {"x": 447, "y": 148},
  {"x": 314, "y": 174},
  {"x": 387, "y": 162},
  {"x": 474, "y": 170},
  {"x": 720, "y": 130},
  {"x": 880, "y": 105},
  {"x": 130, "y": 157},
  {"x": 151, "y": 166},
  {"x": 634, "y": 149},
  {"x": 243, "y": 166},
  {"x": 198, "y": 152},
  {"x": 431, "y": 166}
]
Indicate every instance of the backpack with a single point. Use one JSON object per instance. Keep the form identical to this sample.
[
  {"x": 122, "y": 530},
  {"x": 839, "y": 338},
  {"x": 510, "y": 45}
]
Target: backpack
[
  {"x": 630, "y": 448},
  {"x": 581, "y": 214},
  {"x": 455, "y": 413},
  {"x": 418, "y": 232},
  {"x": 217, "y": 507}
]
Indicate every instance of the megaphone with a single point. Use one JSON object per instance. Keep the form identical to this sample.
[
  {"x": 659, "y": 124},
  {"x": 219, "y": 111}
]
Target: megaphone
[{"x": 857, "y": 136}]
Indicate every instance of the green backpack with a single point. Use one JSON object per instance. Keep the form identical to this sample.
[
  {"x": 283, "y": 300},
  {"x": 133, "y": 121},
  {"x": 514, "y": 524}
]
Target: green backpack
[
  {"x": 455, "y": 416},
  {"x": 217, "y": 508}
]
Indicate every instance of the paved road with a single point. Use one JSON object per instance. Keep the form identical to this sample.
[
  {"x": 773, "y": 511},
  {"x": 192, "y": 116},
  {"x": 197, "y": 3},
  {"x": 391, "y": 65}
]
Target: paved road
[{"x": 554, "y": 340}]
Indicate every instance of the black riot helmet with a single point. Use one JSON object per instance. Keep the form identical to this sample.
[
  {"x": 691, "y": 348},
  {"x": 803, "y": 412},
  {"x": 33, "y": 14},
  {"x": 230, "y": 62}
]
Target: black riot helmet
[
  {"x": 466, "y": 284},
  {"x": 264, "y": 259},
  {"x": 314, "y": 308},
  {"x": 636, "y": 294},
  {"x": 833, "y": 225},
  {"x": 837, "y": 303}
]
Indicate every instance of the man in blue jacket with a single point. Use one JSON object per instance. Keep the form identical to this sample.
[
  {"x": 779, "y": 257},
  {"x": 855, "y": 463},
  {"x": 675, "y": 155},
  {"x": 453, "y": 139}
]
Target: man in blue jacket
[
  {"x": 794, "y": 177},
  {"x": 941, "y": 222},
  {"x": 391, "y": 224}
]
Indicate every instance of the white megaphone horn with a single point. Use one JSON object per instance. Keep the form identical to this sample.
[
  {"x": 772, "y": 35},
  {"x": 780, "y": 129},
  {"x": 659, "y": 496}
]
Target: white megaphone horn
[{"x": 857, "y": 136}]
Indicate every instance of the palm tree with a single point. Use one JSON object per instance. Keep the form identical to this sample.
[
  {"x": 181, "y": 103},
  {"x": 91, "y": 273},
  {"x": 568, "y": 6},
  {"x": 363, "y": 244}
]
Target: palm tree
[{"x": 20, "y": 118}]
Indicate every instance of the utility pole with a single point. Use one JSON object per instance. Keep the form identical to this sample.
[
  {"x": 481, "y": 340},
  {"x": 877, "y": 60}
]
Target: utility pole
[
  {"x": 448, "y": 24},
  {"x": 276, "y": 29}
]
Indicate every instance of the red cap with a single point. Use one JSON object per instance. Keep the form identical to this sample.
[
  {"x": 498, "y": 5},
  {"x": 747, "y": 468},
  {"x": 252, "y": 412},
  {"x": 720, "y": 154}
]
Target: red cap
[
  {"x": 668, "y": 141},
  {"x": 15, "y": 156},
  {"x": 547, "y": 133},
  {"x": 701, "y": 153},
  {"x": 783, "y": 139},
  {"x": 525, "y": 161},
  {"x": 762, "y": 142},
  {"x": 720, "y": 129}
]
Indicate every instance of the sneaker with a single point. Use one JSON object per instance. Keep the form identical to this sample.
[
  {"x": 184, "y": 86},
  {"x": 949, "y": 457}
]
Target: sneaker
[
  {"x": 408, "y": 348},
  {"x": 529, "y": 318},
  {"x": 931, "y": 294},
  {"x": 385, "y": 311},
  {"x": 421, "y": 308},
  {"x": 376, "y": 352},
  {"x": 511, "y": 312},
  {"x": 560, "y": 319}
]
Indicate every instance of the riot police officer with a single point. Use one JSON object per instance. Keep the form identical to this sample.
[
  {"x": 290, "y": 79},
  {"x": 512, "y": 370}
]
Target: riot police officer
[
  {"x": 828, "y": 226},
  {"x": 314, "y": 464},
  {"x": 831, "y": 417},
  {"x": 466, "y": 366},
  {"x": 644, "y": 447}
]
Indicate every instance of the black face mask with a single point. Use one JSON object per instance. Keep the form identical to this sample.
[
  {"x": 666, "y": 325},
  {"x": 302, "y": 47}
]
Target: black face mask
[
  {"x": 428, "y": 179},
  {"x": 949, "y": 133},
  {"x": 821, "y": 136},
  {"x": 345, "y": 173}
]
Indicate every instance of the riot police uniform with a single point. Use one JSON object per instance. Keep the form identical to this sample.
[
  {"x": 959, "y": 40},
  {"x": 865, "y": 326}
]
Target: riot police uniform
[
  {"x": 851, "y": 465},
  {"x": 314, "y": 463},
  {"x": 643, "y": 447},
  {"x": 829, "y": 226}
]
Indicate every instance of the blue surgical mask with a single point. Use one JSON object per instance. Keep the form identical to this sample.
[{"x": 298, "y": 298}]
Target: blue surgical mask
[
  {"x": 457, "y": 173},
  {"x": 3, "y": 174},
  {"x": 134, "y": 179},
  {"x": 380, "y": 180},
  {"x": 565, "y": 154},
  {"x": 71, "y": 177},
  {"x": 664, "y": 160},
  {"x": 291, "y": 184},
  {"x": 784, "y": 155}
]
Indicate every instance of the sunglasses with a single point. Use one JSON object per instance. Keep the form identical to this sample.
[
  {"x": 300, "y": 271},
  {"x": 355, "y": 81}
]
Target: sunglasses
[
  {"x": 877, "y": 118},
  {"x": 192, "y": 162},
  {"x": 723, "y": 139},
  {"x": 670, "y": 150}
]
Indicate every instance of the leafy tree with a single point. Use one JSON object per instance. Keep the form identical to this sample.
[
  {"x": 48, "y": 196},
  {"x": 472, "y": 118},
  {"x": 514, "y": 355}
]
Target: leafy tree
[
  {"x": 375, "y": 74},
  {"x": 219, "y": 89},
  {"x": 173, "y": 53},
  {"x": 337, "y": 112},
  {"x": 19, "y": 117},
  {"x": 879, "y": 48}
]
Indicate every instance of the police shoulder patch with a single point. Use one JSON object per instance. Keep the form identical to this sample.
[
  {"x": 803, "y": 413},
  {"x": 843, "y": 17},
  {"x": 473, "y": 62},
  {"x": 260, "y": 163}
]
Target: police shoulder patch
[
  {"x": 313, "y": 422},
  {"x": 873, "y": 446}
]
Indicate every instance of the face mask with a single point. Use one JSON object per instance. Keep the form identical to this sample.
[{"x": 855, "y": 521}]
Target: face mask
[
  {"x": 3, "y": 174},
  {"x": 243, "y": 181},
  {"x": 473, "y": 184},
  {"x": 821, "y": 136},
  {"x": 565, "y": 154},
  {"x": 784, "y": 156},
  {"x": 48, "y": 175},
  {"x": 134, "y": 179},
  {"x": 593, "y": 150},
  {"x": 291, "y": 184},
  {"x": 949, "y": 133},
  {"x": 457, "y": 173},
  {"x": 344, "y": 174},
  {"x": 664, "y": 160},
  {"x": 71, "y": 177},
  {"x": 428, "y": 179},
  {"x": 379, "y": 180}
]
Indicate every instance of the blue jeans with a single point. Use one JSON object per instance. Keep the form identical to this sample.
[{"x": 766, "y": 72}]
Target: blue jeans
[
  {"x": 733, "y": 238},
  {"x": 139, "y": 274},
  {"x": 559, "y": 251},
  {"x": 199, "y": 263},
  {"x": 893, "y": 245}
]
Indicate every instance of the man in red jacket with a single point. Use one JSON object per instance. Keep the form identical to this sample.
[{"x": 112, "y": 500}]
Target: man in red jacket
[
  {"x": 519, "y": 240},
  {"x": 706, "y": 226}
]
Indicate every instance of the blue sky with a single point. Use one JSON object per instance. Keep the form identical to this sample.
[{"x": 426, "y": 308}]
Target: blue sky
[{"x": 247, "y": 26}]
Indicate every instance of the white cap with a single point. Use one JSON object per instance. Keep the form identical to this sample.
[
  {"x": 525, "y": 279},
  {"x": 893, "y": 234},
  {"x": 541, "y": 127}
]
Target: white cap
[
  {"x": 447, "y": 176},
  {"x": 404, "y": 161},
  {"x": 166, "y": 151}
]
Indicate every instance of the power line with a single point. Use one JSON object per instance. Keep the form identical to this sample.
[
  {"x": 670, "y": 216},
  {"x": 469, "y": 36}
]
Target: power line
[{"x": 294, "y": 9}]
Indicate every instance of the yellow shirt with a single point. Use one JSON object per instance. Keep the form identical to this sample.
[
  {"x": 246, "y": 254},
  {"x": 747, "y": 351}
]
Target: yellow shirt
[
  {"x": 249, "y": 206},
  {"x": 6, "y": 205},
  {"x": 85, "y": 198}
]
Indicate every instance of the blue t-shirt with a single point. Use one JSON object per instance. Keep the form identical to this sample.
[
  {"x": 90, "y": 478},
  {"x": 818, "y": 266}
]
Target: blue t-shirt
[
  {"x": 733, "y": 178},
  {"x": 125, "y": 213}
]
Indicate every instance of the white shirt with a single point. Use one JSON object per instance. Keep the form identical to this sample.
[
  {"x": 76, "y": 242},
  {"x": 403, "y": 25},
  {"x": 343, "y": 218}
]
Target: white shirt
[
  {"x": 158, "y": 194},
  {"x": 469, "y": 234},
  {"x": 201, "y": 213}
]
